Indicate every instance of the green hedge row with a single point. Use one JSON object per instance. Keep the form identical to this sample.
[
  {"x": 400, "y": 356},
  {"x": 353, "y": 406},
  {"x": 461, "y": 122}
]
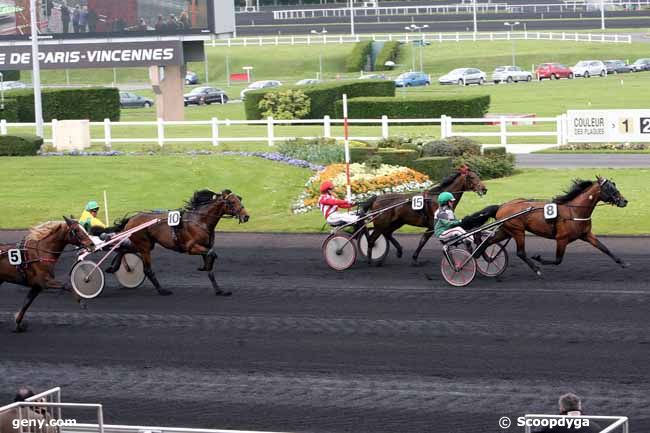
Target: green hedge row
[
  {"x": 434, "y": 167},
  {"x": 19, "y": 145},
  {"x": 10, "y": 75},
  {"x": 323, "y": 96},
  {"x": 417, "y": 107},
  {"x": 10, "y": 112},
  {"x": 356, "y": 60},
  {"x": 389, "y": 52}
]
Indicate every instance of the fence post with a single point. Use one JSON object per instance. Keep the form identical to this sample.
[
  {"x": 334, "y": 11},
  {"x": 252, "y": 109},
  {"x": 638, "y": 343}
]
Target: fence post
[
  {"x": 54, "y": 124},
  {"x": 384, "y": 126},
  {"x": 559, "y": 130},
  {"x": 269, "y": 130},
  {"x": 327, "y": 127},
  {"x": 503, "y": 131},
  {"x": 565, "y": 125},
  {"x": 3, "y": 127},
  {"x": 107, "y": 133},
  {"x": 215, "y": 131},
  {"x": 161, "y": 132}
]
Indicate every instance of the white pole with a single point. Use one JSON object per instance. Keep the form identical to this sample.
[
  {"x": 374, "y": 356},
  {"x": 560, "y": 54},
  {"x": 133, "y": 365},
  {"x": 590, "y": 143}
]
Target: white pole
[
  {"x": 474, "y": 17},
  {"x": 106, "y": 207},
  {"x": 36, "y": 70},
  {"x": 602, "y": 14},
  {"x": 352, "y": 17},
  {"x": 347, "y": 147}
]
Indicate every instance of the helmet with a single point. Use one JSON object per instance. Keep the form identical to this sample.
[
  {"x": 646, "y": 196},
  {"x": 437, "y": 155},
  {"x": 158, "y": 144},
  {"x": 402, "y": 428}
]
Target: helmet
[
  {"x": 92, "y": 205},
  {"x": 445, "y": 197},
  {"x": 326, "y": 186}
]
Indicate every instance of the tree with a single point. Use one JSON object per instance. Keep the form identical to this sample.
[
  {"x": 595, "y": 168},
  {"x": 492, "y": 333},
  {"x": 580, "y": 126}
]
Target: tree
[{"x": 285, "y": 105}]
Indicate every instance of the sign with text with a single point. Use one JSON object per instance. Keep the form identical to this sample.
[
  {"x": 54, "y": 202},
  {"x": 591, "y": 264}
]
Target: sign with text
[
  {"x": 109, "y": 55},
  {"x": 599, "y": 126}
]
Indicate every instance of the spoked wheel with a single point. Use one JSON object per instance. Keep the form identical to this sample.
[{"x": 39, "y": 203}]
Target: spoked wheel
[
  {"x": 87, "y": 279},
  {"x": 131, "y": 271},
  {"x": 493, "y": 262},
  {"x": 339, "y": 251},
  {"x": 465, "y": 274},
  {"x": 379, "y": 249}
]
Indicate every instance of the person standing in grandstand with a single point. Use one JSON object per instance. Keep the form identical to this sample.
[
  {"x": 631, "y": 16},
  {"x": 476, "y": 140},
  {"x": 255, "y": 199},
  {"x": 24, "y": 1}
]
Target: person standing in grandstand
[{"x": 570, "y": 405}]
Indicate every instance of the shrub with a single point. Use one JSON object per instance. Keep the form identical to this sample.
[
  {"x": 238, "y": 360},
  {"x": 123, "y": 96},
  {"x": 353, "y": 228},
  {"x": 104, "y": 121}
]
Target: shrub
[
  {"x": 287, "y": 105},
  {"x": 318, "y": 151},
  {"x": 393, "y": 142},
  {"x": 10, "y": 75},
  {"x": 389, "y": 52},
  {"x": 10, "y": 113},
  {"x": 361, "y": 154},
  {"x": 436, "y": 167},
  {"x": 374, "y": 162},
  {"x": 437, "y": 148},
  {"x": 494, "y": 151},
  {"x": 20, "y": 145},
  {"x": 464, "y": 145},
  {"x": 323, "y": 96},
  {"x": 95, "y": 104},
  {"x": 489, "y": 167},
  {"x": 356, "y": 60},
  {"x": 410, "y": 107},
  {"x": 401, "y": 157}
]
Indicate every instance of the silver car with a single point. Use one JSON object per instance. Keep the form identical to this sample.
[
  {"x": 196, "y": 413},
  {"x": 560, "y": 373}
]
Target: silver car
[
  {"x": 589, "y": 68},
  {"x": 259, "y": 85},
  {"x": 509, "y": 74},
  {"x": 464, "y": 76}
]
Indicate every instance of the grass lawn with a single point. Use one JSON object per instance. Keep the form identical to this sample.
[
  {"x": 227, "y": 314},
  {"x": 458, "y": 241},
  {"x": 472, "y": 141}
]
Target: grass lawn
[{"x": 39, "y": 189}]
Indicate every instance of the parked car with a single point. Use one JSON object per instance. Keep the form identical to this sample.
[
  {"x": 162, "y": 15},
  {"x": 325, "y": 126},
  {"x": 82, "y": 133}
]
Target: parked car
[
  {"x": 617, "y": 67},
  {"x": 589, "y": 68},
  {"x": 408, "y": 79},
  {"x": 11, "y": 85},
  {"x": 464, "y": 76},
  {"x": 128, "y": 99},
  {"x": 553, "y": 71},
  {"x": 373, "y": 77},
  {"x": 259, "y": 85},
  {"x": 191, "y": 78},
  {"x": 308, "y": 82},
  {"x": 510, "y": 74},
  {"x": 641, "y": 65},
  {"x": 205, "y": 95}
]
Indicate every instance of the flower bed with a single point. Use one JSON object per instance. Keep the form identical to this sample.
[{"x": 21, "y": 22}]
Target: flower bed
[{"x": 364, "y": 183}]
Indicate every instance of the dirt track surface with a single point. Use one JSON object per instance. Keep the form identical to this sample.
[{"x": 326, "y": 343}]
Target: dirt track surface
[{"x": 299, "y": 347}]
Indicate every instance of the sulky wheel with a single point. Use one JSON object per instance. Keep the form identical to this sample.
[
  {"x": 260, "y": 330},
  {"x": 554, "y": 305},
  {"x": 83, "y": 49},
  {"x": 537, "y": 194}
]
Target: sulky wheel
[
  {"x": 457, "y": 274},
  {"x": 131, "y": 272},
  {"x": 339, "y": 251},
  {"x": 379, "y": 250},
  {"x": 493, "y": 262},
  {"x": 87, "y": 279}
]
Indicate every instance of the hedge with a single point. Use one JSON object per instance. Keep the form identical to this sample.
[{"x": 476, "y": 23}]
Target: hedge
[
  {"x": 401, "y": 157},
  {"x": 436, "y": 167},
  {"x": 494, "y": 151},
  {"x": 10, "y": 75},
  {"x": 389, "y": 52},
  {"x": 10, "y": 113},
  {"x": 323, "y": 96},
  {"x": 95, "y": 104},
  {"x": 356, "y": 60},
  {"x": 417, "y": 107},
  {"x": 19, "y": 145}
]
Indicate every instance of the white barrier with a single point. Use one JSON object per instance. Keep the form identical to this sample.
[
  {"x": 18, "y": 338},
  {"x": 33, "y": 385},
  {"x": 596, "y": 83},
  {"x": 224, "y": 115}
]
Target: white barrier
[{"x": 619, "y": 422}]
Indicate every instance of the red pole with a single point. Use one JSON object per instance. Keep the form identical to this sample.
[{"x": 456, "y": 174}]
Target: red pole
[{"x": 347, "y": 146}]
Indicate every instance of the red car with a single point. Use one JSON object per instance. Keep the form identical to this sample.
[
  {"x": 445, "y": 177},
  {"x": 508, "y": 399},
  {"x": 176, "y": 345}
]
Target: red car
[{"x": 553, "y": 71}]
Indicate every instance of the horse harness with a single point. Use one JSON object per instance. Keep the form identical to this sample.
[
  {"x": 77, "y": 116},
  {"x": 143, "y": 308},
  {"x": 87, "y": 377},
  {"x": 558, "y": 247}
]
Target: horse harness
[{"x": 25, "y": 262}]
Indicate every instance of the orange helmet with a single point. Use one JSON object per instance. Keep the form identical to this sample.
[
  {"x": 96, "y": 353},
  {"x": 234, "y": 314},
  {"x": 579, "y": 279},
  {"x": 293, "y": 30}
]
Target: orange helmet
[{"x": 326, "y": 186}]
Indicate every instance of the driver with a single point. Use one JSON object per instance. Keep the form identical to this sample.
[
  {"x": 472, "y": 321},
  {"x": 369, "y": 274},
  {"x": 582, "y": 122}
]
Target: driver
[
  {"x": 329, "y": 205},
  {"x": 89, "y": 220},
  {"x": 446, "y": 225}
]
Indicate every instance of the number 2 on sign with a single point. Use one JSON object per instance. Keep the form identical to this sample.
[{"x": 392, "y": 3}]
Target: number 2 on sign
[
  {"x": 550, "y": 211},
  {"x": 173, "y": 218},
  {"x": 417, "y": 202},
  {"x": 15, "y": 258}
]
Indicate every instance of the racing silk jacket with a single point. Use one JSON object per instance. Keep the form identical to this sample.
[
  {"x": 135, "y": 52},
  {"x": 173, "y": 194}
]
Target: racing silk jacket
[
  {"x": 444, "y": 220},
  {"x": 88, "y": 221},
  {"x": 329, "y": 204}
]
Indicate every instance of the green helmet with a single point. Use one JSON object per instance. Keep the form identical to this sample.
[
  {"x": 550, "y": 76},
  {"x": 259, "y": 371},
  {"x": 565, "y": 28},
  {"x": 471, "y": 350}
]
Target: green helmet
[
  {"x": 92, "y": 205},
  {"x": 445, "y": 197}
]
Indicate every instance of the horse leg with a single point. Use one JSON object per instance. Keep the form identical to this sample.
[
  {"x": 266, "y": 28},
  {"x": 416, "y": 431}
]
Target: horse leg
[
  {"x": 423, "y": 241},
  {"x": 33, "y": 293},
  {"x": 593, "y": 240},
  {"x": 520, "y": 239},
  {"x": 371, "y": 243},
  {"x": 209, "y": 257},
  {"x": 560, "y": 248},
  {"x": 148, "y": 271},
  {"x": 389, "y": 236},
  {"x": 117, "y": 261}
]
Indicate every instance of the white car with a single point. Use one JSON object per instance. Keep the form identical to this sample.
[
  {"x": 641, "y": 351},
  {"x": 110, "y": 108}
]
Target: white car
[
  {"x": 308, "y": 82},
  {"x": 463, "y": 77},
  {"x": 11, "y": 85},
  {"x": 589, "y": 68},
  {"x": 509, "y": 74},
  {"x": 259, "y": 85}
]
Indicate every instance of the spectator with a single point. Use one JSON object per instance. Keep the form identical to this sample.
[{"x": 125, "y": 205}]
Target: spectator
[
  {"x": 7, "y": 418},
  {"x": 570, "y": 405},
  {"x": 75, "y": 19},
  {"x": 160, "y": 24},
  {"x": 65, "y": 18},
  {"x": 142, "y": 25},
  {"x": 83, "y": 20},
  {"x": 185, "y": 21},
  {"x": 92, "y": 20}
]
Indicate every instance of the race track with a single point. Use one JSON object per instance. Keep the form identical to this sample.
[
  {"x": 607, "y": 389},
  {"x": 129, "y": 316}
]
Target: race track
[{"x": 299, "y": 347}]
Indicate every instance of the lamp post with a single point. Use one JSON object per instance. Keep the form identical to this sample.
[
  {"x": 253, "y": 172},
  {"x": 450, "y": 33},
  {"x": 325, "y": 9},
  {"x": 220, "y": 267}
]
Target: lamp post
[
  {"x": 474, "y": 16},
  {"x": 352, "y": 17},
  {"x": 2, "y": 91},
  {"x": 320, "y": 55},
  {"x": 413, "y": 28},
  {"x": 36, "y": 70},
  {"x": 512, "y": 26}
]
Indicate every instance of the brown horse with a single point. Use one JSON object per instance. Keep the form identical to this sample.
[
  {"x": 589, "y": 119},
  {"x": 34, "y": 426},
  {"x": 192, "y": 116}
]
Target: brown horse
[
  {"x": 194, "y": 235},
  {"x": 40, "y": 250},
  {"x": 574, "y": 210},
  {"x": 463, "y": 180}
]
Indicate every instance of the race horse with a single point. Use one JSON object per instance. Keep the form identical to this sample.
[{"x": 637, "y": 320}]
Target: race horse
[
  {"x": 462, "y": 180},
  {"x": 194, "y": 235},
  {"x": 39, "y": 250},
  {"x": 573, "y": 221}
]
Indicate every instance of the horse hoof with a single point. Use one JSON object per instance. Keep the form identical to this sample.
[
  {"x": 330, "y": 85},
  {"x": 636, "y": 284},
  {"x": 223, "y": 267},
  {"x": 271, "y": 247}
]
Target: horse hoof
[
  {"x": 164, "y": 292},
  {"x": 538, "y": 273},
  {"x": 223, "y": 293},
  {"x": 398, "y": 254},
  {"x": 111, "y": 270},
  {"x": 624, "y": 265},
  {"x": 537, "y": 258},
  {"x": 201, "y": 269},
  {"x": 429, "y": 277},
  {"x": 20, "y": 328}
]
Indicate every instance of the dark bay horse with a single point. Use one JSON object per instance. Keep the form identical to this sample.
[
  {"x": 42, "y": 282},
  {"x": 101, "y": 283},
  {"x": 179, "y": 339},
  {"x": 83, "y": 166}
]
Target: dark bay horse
[
  {"x": 41, "y": 249},
  {"x": 573, "y": 221},
  {"x": 463, "y": 180},
  {"x": 194, "y": 235}
]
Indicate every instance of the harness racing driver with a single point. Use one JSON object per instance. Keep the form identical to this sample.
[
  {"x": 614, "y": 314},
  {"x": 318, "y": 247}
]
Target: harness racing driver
[{"x": 329, "y": 204}]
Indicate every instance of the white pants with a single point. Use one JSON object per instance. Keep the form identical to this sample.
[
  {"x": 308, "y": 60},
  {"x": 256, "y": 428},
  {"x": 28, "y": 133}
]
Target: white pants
[
  {"x": 338, "y": 217},
  {"x": 452, "y": 233}
]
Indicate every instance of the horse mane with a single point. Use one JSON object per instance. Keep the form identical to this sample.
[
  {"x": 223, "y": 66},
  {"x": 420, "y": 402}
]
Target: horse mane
[
  {"x": 578, "y": 186},
  {"x": 43, "y": 230},
  {"x": 445, "y": 182},
  {"x": 202, "y": 197}
]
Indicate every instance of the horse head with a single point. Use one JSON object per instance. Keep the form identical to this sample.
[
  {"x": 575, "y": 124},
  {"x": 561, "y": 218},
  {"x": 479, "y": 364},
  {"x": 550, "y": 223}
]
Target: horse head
[
  {"x": 234, "y": 206},
  {"x": 471, "y": 181},
  {"x": 609, "y": 193},
  {"x": 76, "y": 234}
]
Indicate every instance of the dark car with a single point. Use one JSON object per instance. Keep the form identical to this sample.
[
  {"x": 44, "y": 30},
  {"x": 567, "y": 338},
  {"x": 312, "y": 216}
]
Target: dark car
[
  {"x": 205, "y": 95},
  {"x": 617, "y": 67},
  {"x": 128, "y": 99},
  {"x": 641, "y": 65},
  {"x": 191, "y": 78}
]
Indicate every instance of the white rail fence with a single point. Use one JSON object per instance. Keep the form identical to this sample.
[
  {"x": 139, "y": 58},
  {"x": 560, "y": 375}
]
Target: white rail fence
[
  {"x": 619, "y": 423},
  {"x": 498, "y": 127},
  {"x": 427, "y": 37}
]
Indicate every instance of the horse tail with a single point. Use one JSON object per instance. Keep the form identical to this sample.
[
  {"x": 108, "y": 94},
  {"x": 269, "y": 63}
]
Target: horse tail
[
  {"x": 120, "y": 223},
  {"x": 367, "y": 205},
  {"x": 479, "y": 218}
]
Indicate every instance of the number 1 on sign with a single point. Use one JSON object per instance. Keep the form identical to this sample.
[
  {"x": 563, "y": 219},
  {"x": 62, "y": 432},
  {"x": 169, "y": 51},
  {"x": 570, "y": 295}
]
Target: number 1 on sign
[{"x": 625, "y": 125}]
